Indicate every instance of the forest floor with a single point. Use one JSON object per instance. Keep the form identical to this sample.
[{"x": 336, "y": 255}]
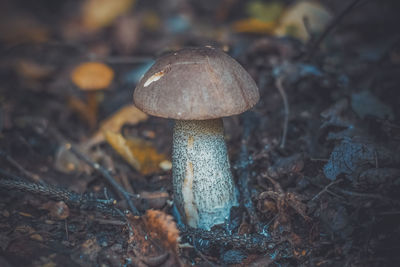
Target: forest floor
[{"x": 316, "y": 161}]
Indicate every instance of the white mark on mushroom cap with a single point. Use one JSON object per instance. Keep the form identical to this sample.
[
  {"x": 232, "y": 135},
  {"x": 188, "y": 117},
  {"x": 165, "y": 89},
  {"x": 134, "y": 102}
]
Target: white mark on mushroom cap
[{"x": 153, "y": 78}]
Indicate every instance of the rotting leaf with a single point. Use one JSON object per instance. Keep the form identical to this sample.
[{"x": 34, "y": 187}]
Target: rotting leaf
[
  {"x": 352, "y": 155},
  {"x": 140, "y": 154},
  {"x": 253, "y": 25},
  {"x": 292, "y": 21},
  {"x": 97, "y": 14},
  {"x": 126, "y": 115},
  {"x": 164, "y": 227}
]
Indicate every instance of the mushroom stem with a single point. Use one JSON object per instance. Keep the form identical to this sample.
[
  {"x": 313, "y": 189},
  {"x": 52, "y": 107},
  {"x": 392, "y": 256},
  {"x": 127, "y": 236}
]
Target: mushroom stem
[{"x": 204, "y": 190}]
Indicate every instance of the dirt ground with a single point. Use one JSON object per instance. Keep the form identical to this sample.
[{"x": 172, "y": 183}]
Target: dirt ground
[{"x": 85, "y": 178}]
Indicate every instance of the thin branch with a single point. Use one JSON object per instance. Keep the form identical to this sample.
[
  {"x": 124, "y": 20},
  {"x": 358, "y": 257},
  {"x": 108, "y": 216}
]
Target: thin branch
[
  {"x": 325, "y": 189},
  {"x": 279, "y": 85},
  {"x": 335, "y": 21},
  {"x": 106, "y": 174}
]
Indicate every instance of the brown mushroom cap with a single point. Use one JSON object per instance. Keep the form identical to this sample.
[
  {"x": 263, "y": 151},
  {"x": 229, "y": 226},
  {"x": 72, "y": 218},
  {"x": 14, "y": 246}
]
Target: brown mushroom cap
[{"x": 196, "y": 84}]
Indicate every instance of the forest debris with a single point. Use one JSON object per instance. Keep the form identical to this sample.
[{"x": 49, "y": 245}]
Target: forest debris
[
  {"x": 283, "y": 201},
  {"x": 353, "y": 155},
  {"x": 286, "y": 165},
  {"x": 140, "y": 154},
  {"x": 58, "y": 210},
  {"x": 253, "y": 25},
  {"x": 90, "y": 249},
  {"x": 163, "y": 227},
  {"x": 365, "y": 103},
  {"x": 292, "y": 22},
  {"x": 66, "y": 162},
  {"x": 126, "y": 33},
  {"x": 97, "y": 14},
  {"x": 265, "y": 11},
  {"x": 128, "y": 114},
  {"x": 24, "y": 29},
  {"x": 154, "y": 200},
  {"x": 32, "y": 70},
  {"x": 378, "y": 179},
  {"x": 82, "y": 109}
]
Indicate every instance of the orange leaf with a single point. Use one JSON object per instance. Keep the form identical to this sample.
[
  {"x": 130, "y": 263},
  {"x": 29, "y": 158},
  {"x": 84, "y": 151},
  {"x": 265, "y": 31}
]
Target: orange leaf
[
  {"x": 253, "y": 26},
  {"x": 163, "y": 226}
]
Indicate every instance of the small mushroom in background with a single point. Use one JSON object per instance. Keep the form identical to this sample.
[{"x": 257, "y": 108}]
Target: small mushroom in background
[
  {"x": 197, "y": 87},
  {"x": 92, "y": 77}
]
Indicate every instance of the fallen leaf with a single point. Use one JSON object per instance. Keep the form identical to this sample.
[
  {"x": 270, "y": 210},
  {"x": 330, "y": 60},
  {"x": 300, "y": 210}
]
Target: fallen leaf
[
  {"x": 163, "y": 226},
  {"x": 292, "y": 21},
  {"x": 97, "y": 14},
  {"x": 58, "y": 210},
  {"x": 253, "y": 25},
  {"x": 126, "y": 115},
  {"x": 264, "y": 11},
  {"x": 32, "y": 70},
  {"x": 140, "y": 154}
]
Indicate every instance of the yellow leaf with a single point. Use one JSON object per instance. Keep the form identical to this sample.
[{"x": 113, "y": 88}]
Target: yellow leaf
[
  {"x": 269, "y": 11},
  {"x": 253, "y": 26},
  {"x": 140, "y": 154},
  {"x": 97, "y": 14},
  {"x": 292, "y": 21},
  {"x": 126, "y": 115},
  {"x": 37, "y": 237}
]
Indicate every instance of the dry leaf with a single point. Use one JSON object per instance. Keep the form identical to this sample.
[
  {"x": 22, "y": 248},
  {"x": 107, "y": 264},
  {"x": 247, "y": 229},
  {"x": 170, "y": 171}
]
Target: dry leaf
[
  {"x": 92, "y": 76},
  {"x": 58, "y": 210},
  {"x": 292, "y": 21},
  {"x": 97, "y": 14},
  {"x": 163, "y": 226},
  {"x": 140, "y": 154},
  {"x": 126, "y": 115},
  {"x": 253, "y": 25},
  {"x": 32, "y": 70}
]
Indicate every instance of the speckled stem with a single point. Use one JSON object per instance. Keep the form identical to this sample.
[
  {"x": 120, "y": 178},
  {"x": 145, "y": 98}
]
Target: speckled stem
[{"x": 204, "y": 190}]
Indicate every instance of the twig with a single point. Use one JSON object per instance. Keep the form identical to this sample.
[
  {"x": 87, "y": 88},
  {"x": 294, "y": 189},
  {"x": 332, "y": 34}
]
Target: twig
[
  {"x": 325, "y": 189},
  {"x": 84, "y": 202},
  {"x": 335, "y": 21},
  {"x": 368, "y": 195},
  {"x": 279, "y": 85},
  {"x": 106, "y": 174},
  {"x": 32, "y": 176}
]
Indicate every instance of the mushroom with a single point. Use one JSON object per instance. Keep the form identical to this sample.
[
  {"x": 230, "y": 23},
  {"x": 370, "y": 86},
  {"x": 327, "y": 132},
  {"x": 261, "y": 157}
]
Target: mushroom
[
  {"x": 92, "y": 77},
  {"x": 197, "y": 87}
]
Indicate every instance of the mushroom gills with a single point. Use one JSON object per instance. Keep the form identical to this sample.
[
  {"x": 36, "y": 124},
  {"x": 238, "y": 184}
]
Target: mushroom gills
[{"x": 204, "y": 191}]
